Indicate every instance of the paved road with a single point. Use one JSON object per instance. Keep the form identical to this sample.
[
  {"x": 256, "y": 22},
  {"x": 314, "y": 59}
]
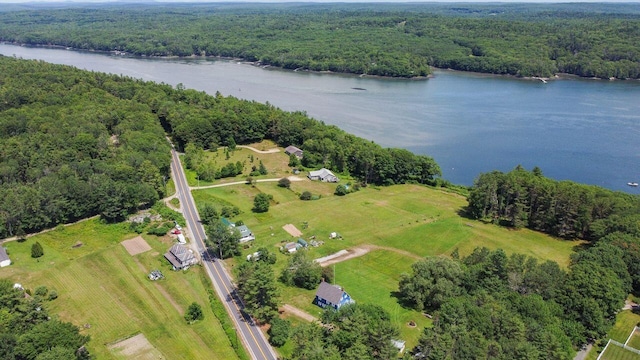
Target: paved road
[{"x": 252, "y": 338}]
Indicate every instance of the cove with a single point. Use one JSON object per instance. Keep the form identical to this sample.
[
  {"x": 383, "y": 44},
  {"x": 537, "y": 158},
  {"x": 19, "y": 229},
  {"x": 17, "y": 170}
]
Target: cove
[{"x": 574, "y": 129}]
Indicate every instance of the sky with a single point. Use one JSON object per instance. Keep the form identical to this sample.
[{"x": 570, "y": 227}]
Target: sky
[{"x": 343, "y": 1}]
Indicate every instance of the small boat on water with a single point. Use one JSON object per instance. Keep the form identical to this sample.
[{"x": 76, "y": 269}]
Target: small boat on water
[{"x": 634, "y": 184}]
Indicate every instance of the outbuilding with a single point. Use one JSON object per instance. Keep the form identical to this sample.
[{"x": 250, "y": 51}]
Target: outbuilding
[{"x": 4, "y": 257}]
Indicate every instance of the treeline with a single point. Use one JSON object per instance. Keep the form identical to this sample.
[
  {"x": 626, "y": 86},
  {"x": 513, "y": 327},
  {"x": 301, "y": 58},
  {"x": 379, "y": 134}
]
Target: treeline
[
  {"x": 75, "y": 144},
  {"x": 490, "y": 305},
  {"x": 207, "y": 122},
  {"x": 386, "y": 40},
  {"x": 28, "y": 333},
  {"x": 522, "y": 198}
]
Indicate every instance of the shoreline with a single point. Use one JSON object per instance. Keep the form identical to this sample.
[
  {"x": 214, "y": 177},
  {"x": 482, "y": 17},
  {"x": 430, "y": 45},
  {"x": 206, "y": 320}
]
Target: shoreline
[{"x": 557, "y": 76}]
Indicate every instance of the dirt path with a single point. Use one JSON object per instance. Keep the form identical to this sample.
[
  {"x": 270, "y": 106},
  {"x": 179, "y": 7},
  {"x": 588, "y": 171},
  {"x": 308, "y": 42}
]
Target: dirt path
[
  {"x": 290, "y": 309},
  {"x": 13, "y": 238},
  {"x": 291, "y": 178},
  {"x": 360, "y": 251},
  {"x": 270, "y": 151}
]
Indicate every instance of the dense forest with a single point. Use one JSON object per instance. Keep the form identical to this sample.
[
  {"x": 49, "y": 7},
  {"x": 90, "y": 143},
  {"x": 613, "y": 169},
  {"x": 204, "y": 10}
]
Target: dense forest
[
  {"x": 493, "y": 306},
  {"x": 75, "y": 144},
  {"x": 401, "y": 40},
  {"x": 522, "y": 198}
]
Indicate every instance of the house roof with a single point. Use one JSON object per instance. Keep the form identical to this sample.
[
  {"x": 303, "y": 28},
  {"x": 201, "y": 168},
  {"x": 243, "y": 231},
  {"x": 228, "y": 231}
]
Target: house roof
[
  {"x": 3, "y": 254},
  {"x": 244, "y": 231},
  {"x": 322, "y": 173},
  {"x": 173, "y": 260},
  {"x": 293, "y": 150},
  {"x": 181, "y": 253},
  {"x": 331, "y": 293}
]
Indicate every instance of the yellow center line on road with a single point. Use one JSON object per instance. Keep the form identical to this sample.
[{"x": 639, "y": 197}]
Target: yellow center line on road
[{"x": 199, "y": 230}]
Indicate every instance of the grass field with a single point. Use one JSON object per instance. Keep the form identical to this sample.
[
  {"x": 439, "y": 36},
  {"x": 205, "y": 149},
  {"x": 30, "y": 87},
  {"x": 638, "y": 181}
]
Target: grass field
[
  {"x": 625, "y": 322},
  {"x": 275, "y": 163},
  {"x": 634, "y": 341},
  {"x": 615, "y": 352},
  {"x": 408, "y": 218},
  {"x": 103, "y": 287}
]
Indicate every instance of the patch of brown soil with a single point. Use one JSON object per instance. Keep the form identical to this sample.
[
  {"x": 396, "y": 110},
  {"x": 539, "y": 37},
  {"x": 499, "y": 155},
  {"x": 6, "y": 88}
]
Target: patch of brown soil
[
  {"x": 362, "y": 250},
  {"x": 136, "y": 347},
  {"x": 136, "y": 246},
  {"x": 292, "y": 230},
  {"x": 292, "y": 310}
]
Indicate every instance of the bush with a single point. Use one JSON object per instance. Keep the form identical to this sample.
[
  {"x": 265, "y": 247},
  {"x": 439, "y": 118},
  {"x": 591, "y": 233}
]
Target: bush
[
  {"x": 229, "y": 211},
  {"x": 261, "y": 203},
  {"x": 41, "y": 291},
  {"x": 53, "y": 295},
  {"x": 279, "y": 332},
  {"x": 194, "y": 313},
  {"x": 36, "y": 250},
  {"x": 341, "y": 190},
  {"x": 305, "y": 196},
  {"x": 284, "y": 182}
]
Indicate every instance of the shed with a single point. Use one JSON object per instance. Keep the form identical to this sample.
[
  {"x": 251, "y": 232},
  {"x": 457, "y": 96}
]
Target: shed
[
  {"x": 302, "y": 242},
  {"x": 398, "y": 344},
  {"x": 291, "y": 247},
  {"x": 331, "y": 296},
  {"x": 294, "y": 150},
  {"x": 181, "y": 239},
  {"x": 4, "y": 257}
]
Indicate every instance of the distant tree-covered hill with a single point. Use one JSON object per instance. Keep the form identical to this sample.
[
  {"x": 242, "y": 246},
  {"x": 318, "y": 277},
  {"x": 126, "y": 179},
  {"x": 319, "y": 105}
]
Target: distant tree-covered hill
[{"x": 397, "y": 40}]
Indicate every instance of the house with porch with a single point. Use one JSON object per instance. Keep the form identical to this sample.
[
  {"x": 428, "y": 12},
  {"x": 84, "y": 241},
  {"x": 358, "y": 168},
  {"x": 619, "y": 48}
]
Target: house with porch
[{"x": 180, "y": 257}]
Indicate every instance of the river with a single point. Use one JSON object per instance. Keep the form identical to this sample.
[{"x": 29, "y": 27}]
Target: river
[{"x": 575, "y": 129}]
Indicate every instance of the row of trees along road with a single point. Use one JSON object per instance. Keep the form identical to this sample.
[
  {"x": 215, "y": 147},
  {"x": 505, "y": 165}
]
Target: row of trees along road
[{"x": 398, "y": 40}]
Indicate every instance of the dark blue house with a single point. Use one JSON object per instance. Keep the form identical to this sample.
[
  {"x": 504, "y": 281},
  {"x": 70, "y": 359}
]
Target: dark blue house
[{"x": 331, "y": 296}]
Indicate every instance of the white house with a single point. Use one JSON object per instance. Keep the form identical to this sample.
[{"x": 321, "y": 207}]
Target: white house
[
  {"x": 180, "y": 257},
  {"x": 324, "y": 175},
  {"x": 245, "y": 234},
  {"x": 4, "y": 258}
]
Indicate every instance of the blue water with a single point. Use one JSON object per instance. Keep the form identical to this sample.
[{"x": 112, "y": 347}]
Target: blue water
[{"x": 581, "y": 130}]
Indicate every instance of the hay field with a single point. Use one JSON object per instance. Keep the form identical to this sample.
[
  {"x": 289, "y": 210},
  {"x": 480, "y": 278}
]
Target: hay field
[{"x": 105, "y": 291}]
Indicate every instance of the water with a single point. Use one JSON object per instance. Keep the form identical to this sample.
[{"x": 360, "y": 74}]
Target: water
[{"x": 582, "y": 130}]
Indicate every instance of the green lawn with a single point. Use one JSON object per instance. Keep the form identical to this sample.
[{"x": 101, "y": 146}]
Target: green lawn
[
  {"x": 634, "y": 342},
  {"x": 614, "y": 352},
  {"x": 103, "y": 287},
  {"x": 625, "y": 322},
  {"x": 415, "y": 220}
]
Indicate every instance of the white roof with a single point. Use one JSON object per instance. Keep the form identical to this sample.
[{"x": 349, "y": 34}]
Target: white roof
[{"x": 322, "y": 173}]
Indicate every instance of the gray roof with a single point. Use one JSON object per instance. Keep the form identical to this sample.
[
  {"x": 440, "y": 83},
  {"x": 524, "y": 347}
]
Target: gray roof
[
  {"x": 244, "y": 231},
  {"x": 293, "y": 150},
  {"x": 331, "y": 293},
  {"x": 3, "y": 254},
  {"x": 322, "y": 173},
  {"x": 181, "y": 253}
]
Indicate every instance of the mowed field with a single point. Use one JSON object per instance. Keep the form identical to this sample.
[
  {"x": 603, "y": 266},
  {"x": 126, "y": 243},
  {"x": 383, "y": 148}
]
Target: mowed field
[
  {"x": 614, "y": 352},
  {"x": 105, "y": 291},
  {"x": 625, "y": 322},
  {"x": 399, "y": 224}
]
